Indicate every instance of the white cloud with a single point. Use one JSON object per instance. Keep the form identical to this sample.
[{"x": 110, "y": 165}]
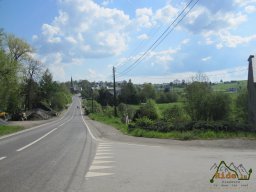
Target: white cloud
[
  {"x": 185, "y": 41},
  {"x": 93, "y": 31},
  {"x": 143, "y": 17},
  {"x": 250, "y": 9},
  {"x": 166, "y": 14},
  {"x": 206, "y": 58},
  {"x": 106, "y": 2},
  {"x": 143, "y": 37},
  {"x": 233, "y": 40},
  {"x": 244, "y": 2},
  {"x": 54, "y": 62}
]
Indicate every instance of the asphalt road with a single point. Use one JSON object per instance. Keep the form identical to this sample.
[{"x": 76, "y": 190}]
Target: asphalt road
[
  {"x": 66, "y": 155},
  {"x": 52, "y": 157}
]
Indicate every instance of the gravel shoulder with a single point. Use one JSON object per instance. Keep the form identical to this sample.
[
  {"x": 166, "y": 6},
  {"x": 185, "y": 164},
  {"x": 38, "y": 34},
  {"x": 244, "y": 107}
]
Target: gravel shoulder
[
  {"x": 106, "y": 132},
  {"x": 29, "y": 124}
]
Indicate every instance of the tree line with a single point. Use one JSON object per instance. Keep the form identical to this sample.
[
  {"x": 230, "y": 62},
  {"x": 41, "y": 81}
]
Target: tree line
[
  {"x": 25, "y": 83},
  {"x": 128, "y": 93}
]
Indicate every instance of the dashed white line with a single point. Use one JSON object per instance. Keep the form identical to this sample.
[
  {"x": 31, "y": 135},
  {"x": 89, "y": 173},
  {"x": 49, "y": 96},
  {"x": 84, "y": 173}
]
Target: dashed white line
[
  {"x": 2, "y": 158},
  {"x": 32, "y": 143}
]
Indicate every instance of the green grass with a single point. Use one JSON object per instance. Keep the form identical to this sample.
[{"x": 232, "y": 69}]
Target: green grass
[
  {"x": 163, "y": 106},
  {"x": 186, "y": 135},
  {"x": 4, "y": 129},
  {"x": 224, "y": 87},
  {"x": 113, "y": 121}
]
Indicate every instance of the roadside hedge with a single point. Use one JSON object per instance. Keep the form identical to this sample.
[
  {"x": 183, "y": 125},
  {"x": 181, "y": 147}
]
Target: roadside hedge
[{"x": 164, "y": 126}]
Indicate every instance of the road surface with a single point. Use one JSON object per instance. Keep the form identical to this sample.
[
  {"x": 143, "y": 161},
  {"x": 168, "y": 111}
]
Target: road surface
[{"x": 74, "y": 154}]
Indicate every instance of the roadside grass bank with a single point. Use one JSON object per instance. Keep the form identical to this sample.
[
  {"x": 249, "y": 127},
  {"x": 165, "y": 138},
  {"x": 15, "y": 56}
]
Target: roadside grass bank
[
  {"x": 7, "y": 129},
  {"x": 180, "y": 135}
]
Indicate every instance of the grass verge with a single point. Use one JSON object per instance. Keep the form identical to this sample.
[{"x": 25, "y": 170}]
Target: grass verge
[
  {"x": 185, "y": 135},
  {"x": 6, "y": 129}
]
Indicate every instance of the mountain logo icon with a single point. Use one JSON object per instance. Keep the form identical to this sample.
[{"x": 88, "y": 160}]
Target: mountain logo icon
[{"x": 223, "y": 171}]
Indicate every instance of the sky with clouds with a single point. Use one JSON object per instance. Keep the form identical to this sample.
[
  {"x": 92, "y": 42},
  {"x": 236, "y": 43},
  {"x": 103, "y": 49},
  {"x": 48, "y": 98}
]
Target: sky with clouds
[{"x": 86, "y": 38}]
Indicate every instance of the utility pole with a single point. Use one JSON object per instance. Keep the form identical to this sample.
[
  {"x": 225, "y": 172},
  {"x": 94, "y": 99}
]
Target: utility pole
[{"x": 114, "y": 79}]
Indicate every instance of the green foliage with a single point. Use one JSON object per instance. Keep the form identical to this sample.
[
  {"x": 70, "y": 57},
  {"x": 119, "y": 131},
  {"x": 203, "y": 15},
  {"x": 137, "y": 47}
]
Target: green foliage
[
  {"x": 86, "y": 89},
  {"x": 129, "y": 93},
  {"x": 144, "y": 123},
  {"x": 108, "y": 111},
  {"x": 148, "y": 110},
  {"x": 196, "y": 94},
  {"x": 147, "y": 92},
  {"x": 204, "y": 104},
  {"x": 167, "y": 97},
  {"x": 242, "y": 106},
  {"x": 105, "y": 98},
  {"x": 174, "y": 114},
  {"x": 124, "y": 110},
  {"x": 97, "y": 108}
]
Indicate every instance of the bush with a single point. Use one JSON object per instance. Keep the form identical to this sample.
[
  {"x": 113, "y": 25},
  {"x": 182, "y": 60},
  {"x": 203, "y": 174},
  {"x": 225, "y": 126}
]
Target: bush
[
  {"x": 148, "y": 110},
  {"x": 174, "y": 114},
  {"x": 242, "y": 106},
  {"x": 167, "y": 97},
  {"x": 108, "y": 111},
  {"x": 87, "y": 104},
  {"x": 218, "y": 105},
  {"x": 204, "y": 104},
  {"x": 143, "y": 123}
]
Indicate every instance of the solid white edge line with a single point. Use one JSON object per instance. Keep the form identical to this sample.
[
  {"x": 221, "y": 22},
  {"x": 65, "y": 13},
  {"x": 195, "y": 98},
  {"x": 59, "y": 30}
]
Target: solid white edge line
[
  {"x": 86, "y": 123},
  {"x": 2, "y": 158},
  {"x": 32, "y": 143}
]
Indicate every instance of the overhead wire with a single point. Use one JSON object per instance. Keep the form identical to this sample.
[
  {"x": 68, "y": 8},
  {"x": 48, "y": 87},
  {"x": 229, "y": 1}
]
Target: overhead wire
[{"x": 162, "y": 37}]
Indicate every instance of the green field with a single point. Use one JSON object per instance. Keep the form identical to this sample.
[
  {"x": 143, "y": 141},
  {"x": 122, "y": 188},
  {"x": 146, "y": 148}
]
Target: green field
[{"x": 225, "y": 86}]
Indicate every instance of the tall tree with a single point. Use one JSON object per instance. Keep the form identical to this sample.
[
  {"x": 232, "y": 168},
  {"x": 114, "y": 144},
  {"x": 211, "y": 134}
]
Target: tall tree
[
  {"x": 31, "y": 70},
  {"x": 148, "y": 92},
  {"x": 46, "y": 86},
  {"x": 18, "y": 48}
]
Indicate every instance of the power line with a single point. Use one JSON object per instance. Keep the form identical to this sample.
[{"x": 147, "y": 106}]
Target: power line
[{"x": 161, "y": 37}]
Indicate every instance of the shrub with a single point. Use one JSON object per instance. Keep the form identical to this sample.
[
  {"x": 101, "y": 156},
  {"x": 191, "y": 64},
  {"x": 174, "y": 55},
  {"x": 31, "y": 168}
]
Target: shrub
[
  {"x": 88, "y": 106},
  {"x": 108, "y": 111},
  {"x": 204, "y": 104},
  {"x": 148, "y": 110},
  {"x": 143, "y": 123},
  {"x": 167, "y": 97},
  {"x": 174, "y": 114},
  {"x": 242, "y": 106}
]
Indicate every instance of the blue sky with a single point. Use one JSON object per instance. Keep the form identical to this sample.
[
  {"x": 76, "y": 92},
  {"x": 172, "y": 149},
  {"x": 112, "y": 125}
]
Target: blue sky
[{"x": 85, "y": 38}]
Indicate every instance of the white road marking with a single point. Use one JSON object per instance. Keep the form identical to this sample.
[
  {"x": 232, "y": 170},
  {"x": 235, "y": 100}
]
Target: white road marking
[
  {"x": 103, "y": 157},
  {"x": 97, "y": 167},
  {"x": 104, "y": 150},
  {"x": 105, "y": 144},
  {"x": 32, "y": 143},
  {"x": 105, "y": 147},
  {"x": 86, "y": 123},
  {"x": 2, "y": 158},
  {"x": 103, "y": 153},
  {"x": 101, "y": 162},
  {"x": 97, "y": 174}
]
